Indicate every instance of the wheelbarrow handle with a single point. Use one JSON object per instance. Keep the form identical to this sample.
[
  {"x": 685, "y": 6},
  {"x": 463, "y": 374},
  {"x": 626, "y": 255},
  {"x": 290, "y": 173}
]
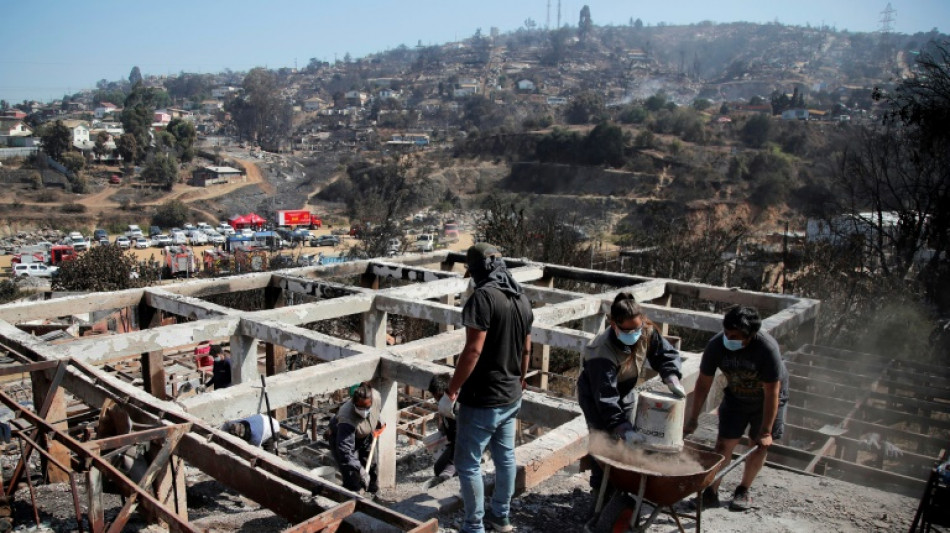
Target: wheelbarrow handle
[{"x": 722, "y": 473}]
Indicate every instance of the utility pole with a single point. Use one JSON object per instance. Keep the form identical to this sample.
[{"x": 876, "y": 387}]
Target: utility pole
[
  {"x": 547, "y": 20},
  {"x": 559, "y": 14}
]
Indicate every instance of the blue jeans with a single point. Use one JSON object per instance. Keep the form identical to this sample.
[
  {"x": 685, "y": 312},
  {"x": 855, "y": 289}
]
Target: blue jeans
[{"x": 479, "y": 427}]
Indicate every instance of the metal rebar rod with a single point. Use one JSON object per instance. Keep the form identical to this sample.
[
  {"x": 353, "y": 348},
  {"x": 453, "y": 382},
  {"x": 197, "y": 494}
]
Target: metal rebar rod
[{"x": 29, "y": 483}]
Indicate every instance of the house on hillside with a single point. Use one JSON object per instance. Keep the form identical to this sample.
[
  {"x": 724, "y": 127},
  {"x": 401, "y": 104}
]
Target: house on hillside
[
  {"x": 465, "y": 87},
  {"x": 11, "y": 129},
  {"x": 356, "y": 98},
  {"x": 80, "y": 133},
  {"x": 389, "y": 94},
  {"x": 526, "y": 86},
  {"x": 162, "y": 116},
  {"x": 314, "y": 104},
  {"x": 224, "y": 92},
  {"x": 211, "y": 106},
  {"x": 105, "y": 108},
  {"x": 795, "y": 114},
  {"x": 204, "y": 176},
  {"x": 12, "y": 113}
]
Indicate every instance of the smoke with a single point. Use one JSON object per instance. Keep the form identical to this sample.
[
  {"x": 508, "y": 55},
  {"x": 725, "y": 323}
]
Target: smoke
[{"x": 653, "y": 463}]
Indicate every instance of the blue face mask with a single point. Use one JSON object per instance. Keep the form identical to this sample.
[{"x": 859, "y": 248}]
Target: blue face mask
[
  {"x": 630, "y": 337},
  {"x": 731, "y": 344}
]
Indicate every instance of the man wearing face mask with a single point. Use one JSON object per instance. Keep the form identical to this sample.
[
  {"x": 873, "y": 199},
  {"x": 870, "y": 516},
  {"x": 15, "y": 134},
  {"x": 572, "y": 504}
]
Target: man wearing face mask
[
  {"x": 755, "y": 396},
  {"x": 613, "y": 365},
  {"x": 351, "y": 435}
]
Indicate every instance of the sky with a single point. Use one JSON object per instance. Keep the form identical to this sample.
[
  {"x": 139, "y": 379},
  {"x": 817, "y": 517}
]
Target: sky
[{"x": 57, "y": 47}]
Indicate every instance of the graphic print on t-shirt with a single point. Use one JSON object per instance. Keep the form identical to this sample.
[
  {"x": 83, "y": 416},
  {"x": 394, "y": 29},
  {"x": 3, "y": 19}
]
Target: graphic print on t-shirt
[{"x": 743, "y": 377}]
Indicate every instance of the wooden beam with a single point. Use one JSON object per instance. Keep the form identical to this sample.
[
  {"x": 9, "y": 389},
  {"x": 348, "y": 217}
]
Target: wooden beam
[{"x": 153, "y": 374}]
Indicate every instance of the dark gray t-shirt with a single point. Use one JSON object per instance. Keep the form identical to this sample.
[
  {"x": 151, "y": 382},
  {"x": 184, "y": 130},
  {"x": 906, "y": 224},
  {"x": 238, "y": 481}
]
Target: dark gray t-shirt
[
  {"x": 748, "y": 368},
  {"x": 496, "y": 379}
]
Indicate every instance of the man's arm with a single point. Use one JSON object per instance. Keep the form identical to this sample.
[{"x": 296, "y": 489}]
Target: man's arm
[
  {"x": 525, "y": 361},
  {"x": 474, "y": 342},
  {"x": 769, "y": 412},
  {"x": 703, "y": 384}
]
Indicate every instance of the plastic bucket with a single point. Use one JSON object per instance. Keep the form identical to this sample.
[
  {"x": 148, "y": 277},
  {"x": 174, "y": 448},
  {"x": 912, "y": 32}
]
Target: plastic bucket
[{"x": 659, "y": 418}]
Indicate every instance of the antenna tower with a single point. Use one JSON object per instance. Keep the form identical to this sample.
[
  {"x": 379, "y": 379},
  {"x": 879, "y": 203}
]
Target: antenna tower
[{"x": 558, "y": 13}]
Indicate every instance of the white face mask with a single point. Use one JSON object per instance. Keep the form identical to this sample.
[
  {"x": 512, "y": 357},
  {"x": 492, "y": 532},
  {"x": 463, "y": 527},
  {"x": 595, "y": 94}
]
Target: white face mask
[{"x": 362, "y": 413}]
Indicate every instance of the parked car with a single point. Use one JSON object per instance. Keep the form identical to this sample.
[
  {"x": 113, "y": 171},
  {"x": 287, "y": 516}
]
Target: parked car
[
  {"x": 188, "y": 226},
  {"x": 34, "y": 270},
  {"x": 226, "y": 230},
  {"x": 425, "y": 242},
  {"x": 215, "y": 237},
  {"x": 142, "y": 243},
  {"x": 134, "y": 231},
  {"x": 197, "y": 237},
  {"x": 394, "y": 247},
  {"x": 325, "y": 240},
  {"x": 115, "y": 179},
  {"x": 123, "y": 242},
  {"x": 162, "y": 240},
  {"x": 100, "y": 234},
  {"x": 77, "y": 241},
  {"x": 154, "y": 230},
  {"x": 179, "y": 238},
  {"x": 203, "y": 226}
]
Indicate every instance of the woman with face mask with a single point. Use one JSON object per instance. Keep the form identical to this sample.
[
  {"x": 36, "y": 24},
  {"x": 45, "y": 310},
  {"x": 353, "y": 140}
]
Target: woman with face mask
[
  {"x": 351, "y": 437},
  {"x": 613, "y": 364},
  {"x": 754, "y": 400}
]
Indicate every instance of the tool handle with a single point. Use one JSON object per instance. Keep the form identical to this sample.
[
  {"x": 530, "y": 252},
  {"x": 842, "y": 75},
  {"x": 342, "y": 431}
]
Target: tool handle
[{"x": 722, "y": 473}]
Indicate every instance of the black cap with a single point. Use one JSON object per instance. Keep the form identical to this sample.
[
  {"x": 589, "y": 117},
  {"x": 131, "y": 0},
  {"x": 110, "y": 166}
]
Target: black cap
[{"x": 478, "y": 253}]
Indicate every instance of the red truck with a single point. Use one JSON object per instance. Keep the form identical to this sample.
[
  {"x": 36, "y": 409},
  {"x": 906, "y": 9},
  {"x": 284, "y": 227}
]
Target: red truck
[{"x": 298, "y": 217}]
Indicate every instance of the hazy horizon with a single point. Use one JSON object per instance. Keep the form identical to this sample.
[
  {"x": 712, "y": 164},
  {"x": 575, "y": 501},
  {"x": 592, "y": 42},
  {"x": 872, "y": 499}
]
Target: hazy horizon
[{"x": 64, "y": 47}]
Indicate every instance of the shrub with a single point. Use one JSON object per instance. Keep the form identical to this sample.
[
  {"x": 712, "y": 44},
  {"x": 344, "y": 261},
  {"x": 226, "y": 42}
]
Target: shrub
[{"x": 73, "y": 207}]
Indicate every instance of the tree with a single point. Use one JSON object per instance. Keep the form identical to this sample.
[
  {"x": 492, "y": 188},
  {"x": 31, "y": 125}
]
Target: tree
[
  {"x": 585, "y": 108},
  {"x": 605, "y": 145},
  {"x": 261, "y": 115},
  {"x": 135, "y": 76},
  {"x": 100, "y": 147},
  {"x": 185, "y": 136},
  {"x": 584, "y": 25},
  {"x": 638, "y": 24},
  {"x": 104, "y": 268},
  {"x": 128, "y": 148},
  {"x": 755, "y": 132},
  {"x": 171, "y": 214},
  {"x": 73, "y": 161},
  {"x": 162, "y": 169},
  {"x": 557, "y": 47},
  {"x": 56, "y": 139},
  {"x": 137, "y": 116}
]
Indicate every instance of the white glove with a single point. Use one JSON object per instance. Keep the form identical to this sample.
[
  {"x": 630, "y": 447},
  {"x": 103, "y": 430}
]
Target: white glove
[
  {"x": 633, "y": 438},
  {"x": 447, "y": 406},
  {"x": 891, "y": 451},
  {"x": 676, "y": 389},
  {"x": 364, "y": 477}
]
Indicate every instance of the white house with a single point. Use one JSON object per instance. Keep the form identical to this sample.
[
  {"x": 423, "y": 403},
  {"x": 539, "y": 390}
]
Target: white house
[
  {"x": 526, "y": 85},
  {"x": 211, "y": 106},
  {"x": 223, "y": 91},
  {"x": 389, "y": 94},
  {"x": 356, "y": 98},
  {"x": 313, "y": 104},
  {"x": 105, "y": 108},
  {"x": 795, "y": 114}
]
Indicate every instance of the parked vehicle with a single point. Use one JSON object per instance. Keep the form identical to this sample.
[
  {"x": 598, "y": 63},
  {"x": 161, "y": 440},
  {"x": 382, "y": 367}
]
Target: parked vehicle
[
  {"x": 77, "y": 241},
  {"x": 134, "y": 231},
  {"x": 34, "y": 270},
  {"x": 425, "y": 242},
  {"x": 214, "y": 237},
  {"x": 298, "y": 217},
  {"x": 123, "y": 242},
  {"x": 203, "y": 226},
  {"x": 142, "y": 243},
  {"x": 450, "y": 230},
  {"x": 160, "y": 241},
  {"x": 325, "y": 240},
  {"x": 295, "y": 236},
  {"x": 154, "y": 230},
  {"x": 394, "y": 247},
  {"x": 179, "y": 261},
  {"x": 179, "y": 238},
  {"x": 197, "y": 237},
  {"x": 100, "y": 234},
  {"x": 62, "y": 252}
]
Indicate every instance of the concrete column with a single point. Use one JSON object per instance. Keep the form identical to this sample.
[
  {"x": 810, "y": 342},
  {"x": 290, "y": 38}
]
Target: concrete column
[
  {"x": 153, "y": 374},
  {"x": 57, "y": 411},
  {"x": 244, "y": 360},
  {"x": 666, "y": 300},
  {"x": 541, "y": 353},
  {"x": 386, "y": 447}
]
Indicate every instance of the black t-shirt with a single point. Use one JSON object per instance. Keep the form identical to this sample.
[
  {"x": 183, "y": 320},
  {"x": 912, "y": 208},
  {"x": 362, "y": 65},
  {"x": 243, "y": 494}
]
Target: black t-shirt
[
  {"x": 506, "y": 319},
  {"x": 748, "y": 368}
]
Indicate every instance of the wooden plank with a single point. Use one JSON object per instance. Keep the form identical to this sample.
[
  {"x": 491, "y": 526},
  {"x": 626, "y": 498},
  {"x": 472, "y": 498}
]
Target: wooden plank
[
  {"x": 327, "y": 521},
  {"x": 153, "y": 374}
]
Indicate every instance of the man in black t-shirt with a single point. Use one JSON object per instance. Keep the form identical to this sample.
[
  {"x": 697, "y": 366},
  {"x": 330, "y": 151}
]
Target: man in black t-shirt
[
  {"x": 755, "y": 396},
  {"x": 487, "y": 383}
]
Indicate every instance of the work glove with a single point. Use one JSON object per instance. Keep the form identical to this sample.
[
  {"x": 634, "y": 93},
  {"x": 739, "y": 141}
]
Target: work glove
[
  {"x": 200, "y": 389},
  {"x": 447, "y": 406},
  {"x": 622, "y": 429},
  {"x": 364, "y": 477},
  {"x": 891, "y": 451},
  {"x": 634, "y": 438},
  {"x": 676, "y": 389}
]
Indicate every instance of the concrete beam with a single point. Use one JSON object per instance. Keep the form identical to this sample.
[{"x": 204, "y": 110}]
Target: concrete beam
[
  {"x": 791, "y": 318},
  {"x": 241, "y": 400},
  {"x": 570, "y": 339},
  {"x": 315, "y": 288},
  {"x": 185, "y": 306},
  {"x": 69, "y": 305},
  {"x": 594, "y": 276},
  {"x": 545, "y": 456},
  {"x": 567, "y": 311},
  {"x": 760, "y": 300},
  {"x": 200, "y": 288},
  {"x": 699, "y": 320},
  {"x": 441, "y": 346},
  {"x": 432, "y": 311},
  {"x": 102, "y": 349},
  {"x": 317, "y": 311},
  {"x": 303, "y": 340},
  {"x": 410, "y": 371},
  {"x": 408, "y": 273},
  {"x": 547, "y": 411}
]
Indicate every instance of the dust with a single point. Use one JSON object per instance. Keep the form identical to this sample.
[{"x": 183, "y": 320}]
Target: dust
[{"x": 653, "y": 463}]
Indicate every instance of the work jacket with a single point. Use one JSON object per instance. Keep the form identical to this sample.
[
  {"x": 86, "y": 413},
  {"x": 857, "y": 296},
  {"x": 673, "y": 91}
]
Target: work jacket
[{"x": 606, "y": 387}]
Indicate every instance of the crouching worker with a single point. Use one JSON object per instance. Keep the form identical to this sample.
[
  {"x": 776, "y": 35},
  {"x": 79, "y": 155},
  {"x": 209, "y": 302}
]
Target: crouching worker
[
  {"x": 257, "y": 430},
  {"x": 612, "y": 363},
  {"x": 351, "y": 436},
  {"x": 445, "y": 464}
]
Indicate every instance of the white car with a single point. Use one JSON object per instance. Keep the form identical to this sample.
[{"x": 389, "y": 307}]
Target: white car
[
  {"x": 79, "y": 243},
  {"x": 247, "y": 232},
  {"x": 215, "y": 237},
  {"x": 197, "y": 237},
  {"x": 160, "y": 241},
  {"x": 123, "y": 242},
  {"x": 225, "y": 229},
  {"x": 425, "y": 242},
  {"x": 34, "y": 270},
  {"x": 179, "y": 238},
  {"x": 141, "y": 243},
  {"x": 188, "y": 226}
]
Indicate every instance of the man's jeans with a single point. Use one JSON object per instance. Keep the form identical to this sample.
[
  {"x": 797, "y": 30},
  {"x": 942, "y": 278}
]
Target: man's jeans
[{"x": 479, "y": 427}]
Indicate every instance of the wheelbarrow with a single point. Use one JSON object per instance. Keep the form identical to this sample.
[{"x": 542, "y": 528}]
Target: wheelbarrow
[{"x": 663, "y": 491}]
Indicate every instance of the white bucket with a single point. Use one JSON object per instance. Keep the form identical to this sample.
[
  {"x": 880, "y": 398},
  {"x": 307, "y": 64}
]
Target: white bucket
[{"x": 659, "y": 418}]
